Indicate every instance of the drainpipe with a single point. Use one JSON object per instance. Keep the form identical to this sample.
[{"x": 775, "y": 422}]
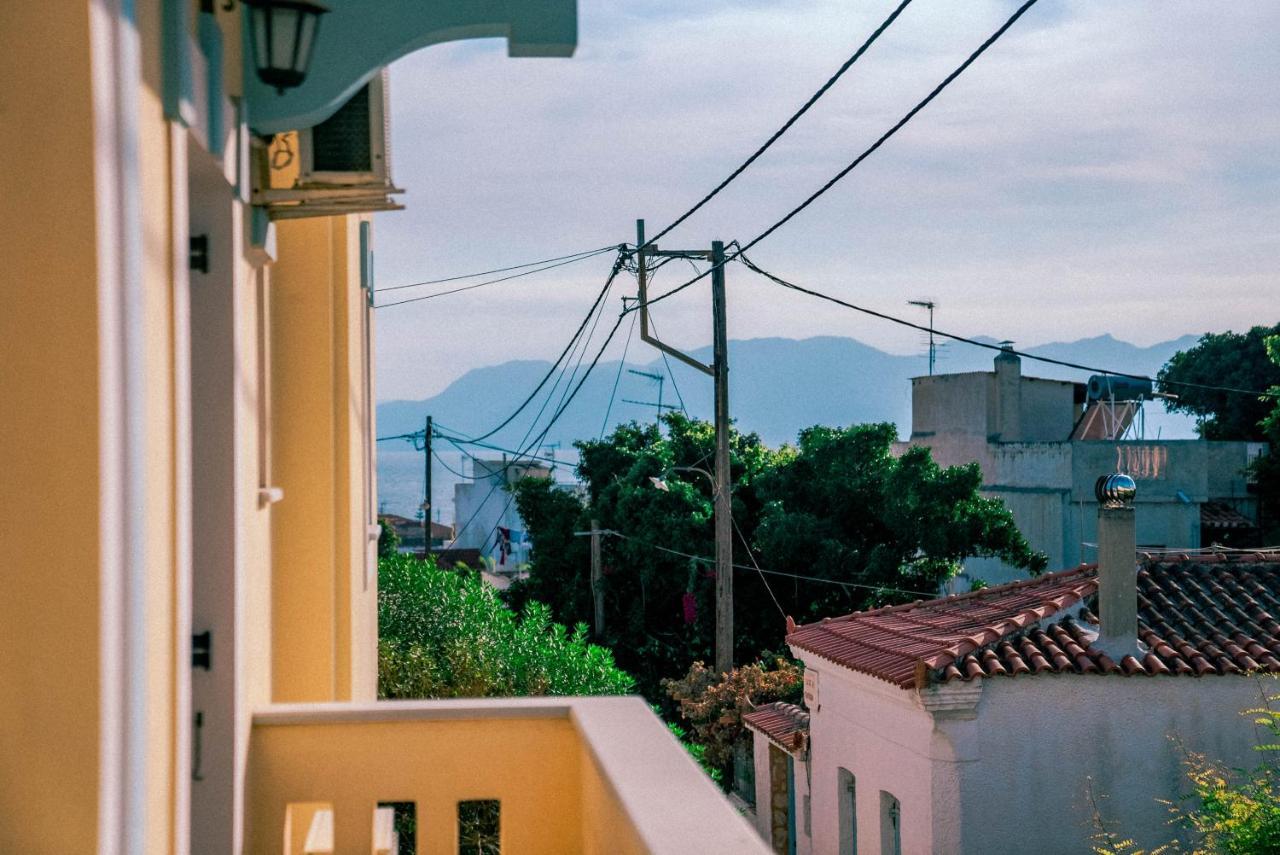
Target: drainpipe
[{"x": 1117, "y": 567}]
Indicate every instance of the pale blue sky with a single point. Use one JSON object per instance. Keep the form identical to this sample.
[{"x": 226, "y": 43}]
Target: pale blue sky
[{"x": 1104, "y": 168}]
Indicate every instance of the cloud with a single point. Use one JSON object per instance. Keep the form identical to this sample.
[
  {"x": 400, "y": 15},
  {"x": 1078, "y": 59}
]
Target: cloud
[{"x": 1105, "y": 167}]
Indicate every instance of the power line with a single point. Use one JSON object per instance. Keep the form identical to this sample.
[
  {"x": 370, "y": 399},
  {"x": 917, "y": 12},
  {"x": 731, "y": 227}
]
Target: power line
[
  {"x": 488, "y": 282},
  {"x": 554, "y": 417},
  {"x": 617, "y": 267},
  {"x": 575, "y": 256},
  {"x": 458, "y": 442},
  {"x": 813, "y": 197},
  {"x": 604, "y": 425},
  {"x": 987, "y": 345},
  {"x": 705, "y": 560},
  {"x": 813, "y": 99}
]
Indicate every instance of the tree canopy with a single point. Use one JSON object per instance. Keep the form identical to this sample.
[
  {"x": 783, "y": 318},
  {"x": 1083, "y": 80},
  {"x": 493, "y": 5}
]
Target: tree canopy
[
  {"x": 839, "y": 521},
  {"x": 1237, "y": 360}
]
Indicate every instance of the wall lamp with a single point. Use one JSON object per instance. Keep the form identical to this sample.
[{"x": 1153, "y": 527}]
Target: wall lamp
[{"x": 284, "y": 32}]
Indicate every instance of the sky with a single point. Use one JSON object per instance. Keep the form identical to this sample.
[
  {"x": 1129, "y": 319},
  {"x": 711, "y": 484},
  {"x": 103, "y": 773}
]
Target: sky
[{"x": 1103, "y": 168}]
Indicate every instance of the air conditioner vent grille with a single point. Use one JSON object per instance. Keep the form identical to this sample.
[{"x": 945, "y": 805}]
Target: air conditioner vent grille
[{"x": 342, "y": 142}]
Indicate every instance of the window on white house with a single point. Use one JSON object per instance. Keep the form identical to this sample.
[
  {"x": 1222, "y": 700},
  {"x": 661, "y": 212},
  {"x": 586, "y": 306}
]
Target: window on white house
[
  {"x": 847, "y": 796},
  {"x": 890, "y": 824}
]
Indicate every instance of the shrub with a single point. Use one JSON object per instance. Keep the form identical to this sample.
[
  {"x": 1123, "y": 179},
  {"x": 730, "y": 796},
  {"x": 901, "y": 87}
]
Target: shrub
[
  {"x": 446, "y": 634},
  {"x": 1229, "y": 811},
  {"x": 713, "y": 703}
]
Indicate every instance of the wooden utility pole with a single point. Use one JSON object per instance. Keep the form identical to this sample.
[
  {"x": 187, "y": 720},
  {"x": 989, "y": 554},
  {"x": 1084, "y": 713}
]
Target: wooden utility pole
[
  {"x": 723, "y": 509},
  {"x": 426, "y": 502},
  {"x": 719, "y": 371},
  {"x": 597, "y": 586}
]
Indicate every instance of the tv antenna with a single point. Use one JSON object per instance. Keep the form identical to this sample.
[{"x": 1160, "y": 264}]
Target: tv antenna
[{"x": 930, "y": 305}]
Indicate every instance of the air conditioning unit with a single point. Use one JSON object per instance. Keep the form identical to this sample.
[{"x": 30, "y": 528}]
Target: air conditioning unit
[
  {"x": 351, "y": 146},
  {"x": 340, "y": 166}
]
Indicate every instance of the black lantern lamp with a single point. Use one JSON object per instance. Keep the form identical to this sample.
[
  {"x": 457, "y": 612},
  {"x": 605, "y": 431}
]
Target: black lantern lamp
[{"x": 284, "y": 32}]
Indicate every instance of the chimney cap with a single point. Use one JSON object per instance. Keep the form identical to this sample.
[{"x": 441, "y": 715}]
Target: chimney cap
[{"x": 1115, "y": 491}]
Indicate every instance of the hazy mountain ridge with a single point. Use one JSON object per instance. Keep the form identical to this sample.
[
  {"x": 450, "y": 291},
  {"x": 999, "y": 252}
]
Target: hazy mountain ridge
[{"x": 777, "y": 387}]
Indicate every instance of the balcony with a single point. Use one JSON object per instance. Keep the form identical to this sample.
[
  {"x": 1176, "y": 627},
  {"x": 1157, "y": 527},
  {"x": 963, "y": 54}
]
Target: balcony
[{"x": 588, "y": 775}]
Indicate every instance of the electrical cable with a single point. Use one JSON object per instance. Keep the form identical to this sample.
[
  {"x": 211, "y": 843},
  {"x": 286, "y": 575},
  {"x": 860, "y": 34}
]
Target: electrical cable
[
  {"x": 813, "y": 197},
  {"x": 742, "y": 537},
  {"x": 813, "y": 99},
  {"x": 617, "y": 267},
  {"x": 987, "y": 345},
  {"x": 536, "y": 442},
  {"x": 560, "y": 262},
  {"x": 705, "y": 560},
  {"x": 457, "y": 443},
  {"x": 604, "y": 425}
]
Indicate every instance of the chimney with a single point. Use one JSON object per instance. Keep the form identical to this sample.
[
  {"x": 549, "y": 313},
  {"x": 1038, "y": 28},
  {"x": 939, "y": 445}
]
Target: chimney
[
  {"x": 1008, "y": 395},
  {"x": 1117, "y": 568}
]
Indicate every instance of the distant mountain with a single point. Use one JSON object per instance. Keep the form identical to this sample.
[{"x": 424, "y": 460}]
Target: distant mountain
[{"x": 776, "y": 387}]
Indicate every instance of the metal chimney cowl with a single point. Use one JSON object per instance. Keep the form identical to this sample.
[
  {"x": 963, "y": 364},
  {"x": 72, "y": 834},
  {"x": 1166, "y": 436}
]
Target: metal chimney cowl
[{"x": 1117, "y": 568}]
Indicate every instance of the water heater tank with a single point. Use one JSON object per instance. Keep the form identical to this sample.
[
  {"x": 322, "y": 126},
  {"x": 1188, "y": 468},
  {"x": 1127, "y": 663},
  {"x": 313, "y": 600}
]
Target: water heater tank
[{"x": 1105, "y": 387}]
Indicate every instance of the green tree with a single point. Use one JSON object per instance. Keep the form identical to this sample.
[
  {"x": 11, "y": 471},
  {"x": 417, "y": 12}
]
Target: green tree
[
  {"x": 388, "y": 539},
  {"x": 1266, "y": 469},
  {"x": 446, "y": 633},
  {"x": 862, "y": 526},
  {"x": 1223, "y": 359}
]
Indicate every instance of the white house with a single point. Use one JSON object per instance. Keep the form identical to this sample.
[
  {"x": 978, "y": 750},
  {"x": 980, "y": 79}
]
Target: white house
[{"x": 1014, "y": 719}]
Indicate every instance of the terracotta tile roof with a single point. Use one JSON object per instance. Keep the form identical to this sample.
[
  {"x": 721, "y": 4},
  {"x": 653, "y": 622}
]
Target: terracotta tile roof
[
  {"x": 1221, "y": 515},
  {"x": 786, "y": 724},
  {"x": 1198, "y": 614}
]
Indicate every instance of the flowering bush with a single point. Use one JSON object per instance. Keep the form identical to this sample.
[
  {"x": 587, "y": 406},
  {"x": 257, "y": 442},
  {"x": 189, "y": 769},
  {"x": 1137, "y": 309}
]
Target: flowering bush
[{"x": 713, "y": 703}]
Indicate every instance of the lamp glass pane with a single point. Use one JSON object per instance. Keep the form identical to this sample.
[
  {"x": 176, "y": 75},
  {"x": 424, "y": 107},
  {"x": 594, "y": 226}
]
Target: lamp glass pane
[
  {"x": 284, "y": 29},
  {"x": 306, "y": 40},
  {"x": 261, "y": 41}
]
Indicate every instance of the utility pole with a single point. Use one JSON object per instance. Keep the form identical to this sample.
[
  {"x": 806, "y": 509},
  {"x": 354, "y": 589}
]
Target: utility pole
[
  {"x": 597, "y": 588},
  {"x": 426, "y": 502},
  {"x": 597, "y": 578},
  {"x": 724, "y": 523},
  {"x": 719, "y": 371}
]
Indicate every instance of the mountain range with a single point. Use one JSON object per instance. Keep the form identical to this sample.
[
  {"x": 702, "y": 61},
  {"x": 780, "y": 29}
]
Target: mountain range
[{"x": 776, "y": 387}]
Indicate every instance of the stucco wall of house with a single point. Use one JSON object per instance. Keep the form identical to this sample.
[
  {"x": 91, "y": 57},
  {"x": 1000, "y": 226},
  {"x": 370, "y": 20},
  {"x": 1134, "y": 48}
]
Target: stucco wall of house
[
  {"x": 1032, "y": 747},
  {"x": 886, "y": 739},
  {"x": 1040, "y": 743}
]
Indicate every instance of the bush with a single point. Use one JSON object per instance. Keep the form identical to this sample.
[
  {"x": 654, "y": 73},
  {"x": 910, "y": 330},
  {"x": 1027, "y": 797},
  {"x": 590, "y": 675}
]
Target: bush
[
  {"x": 1231, "y": 812},
  {"x": 713, "y": 703},
  {"x": 446, "y": 634}
]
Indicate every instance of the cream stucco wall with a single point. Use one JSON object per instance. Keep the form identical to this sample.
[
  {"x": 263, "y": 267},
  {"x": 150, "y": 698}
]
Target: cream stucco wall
[
  {"x": 970, "y": 771},
  {"x": 324, "y": 585}
]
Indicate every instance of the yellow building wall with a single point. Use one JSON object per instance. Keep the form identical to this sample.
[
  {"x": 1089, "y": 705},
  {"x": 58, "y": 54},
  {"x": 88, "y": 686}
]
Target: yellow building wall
[
  {"x": 530, "y": 765},
  {"x": 323, "y": 589},
  {"x": 50, "y": 436},
  {"x": 49, "y": 540}
]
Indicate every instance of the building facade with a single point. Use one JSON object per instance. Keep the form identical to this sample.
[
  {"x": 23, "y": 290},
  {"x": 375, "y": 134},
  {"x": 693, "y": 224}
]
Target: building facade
[
  {"x": 1029, "y": 717},
  {"x": 186, "y": 342},
  {"x": 1040, "y": 443}
]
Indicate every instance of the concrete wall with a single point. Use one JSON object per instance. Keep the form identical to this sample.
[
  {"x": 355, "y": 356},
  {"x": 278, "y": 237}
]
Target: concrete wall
[
  {"x": 951, "y": 403},
  {"x": 1039, "y": 743},
  {"x": 1019, "y": 409}
]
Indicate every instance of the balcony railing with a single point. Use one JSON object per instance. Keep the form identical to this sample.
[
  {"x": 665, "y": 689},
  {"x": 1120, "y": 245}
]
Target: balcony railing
[{"x": 569, "y": 775}]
